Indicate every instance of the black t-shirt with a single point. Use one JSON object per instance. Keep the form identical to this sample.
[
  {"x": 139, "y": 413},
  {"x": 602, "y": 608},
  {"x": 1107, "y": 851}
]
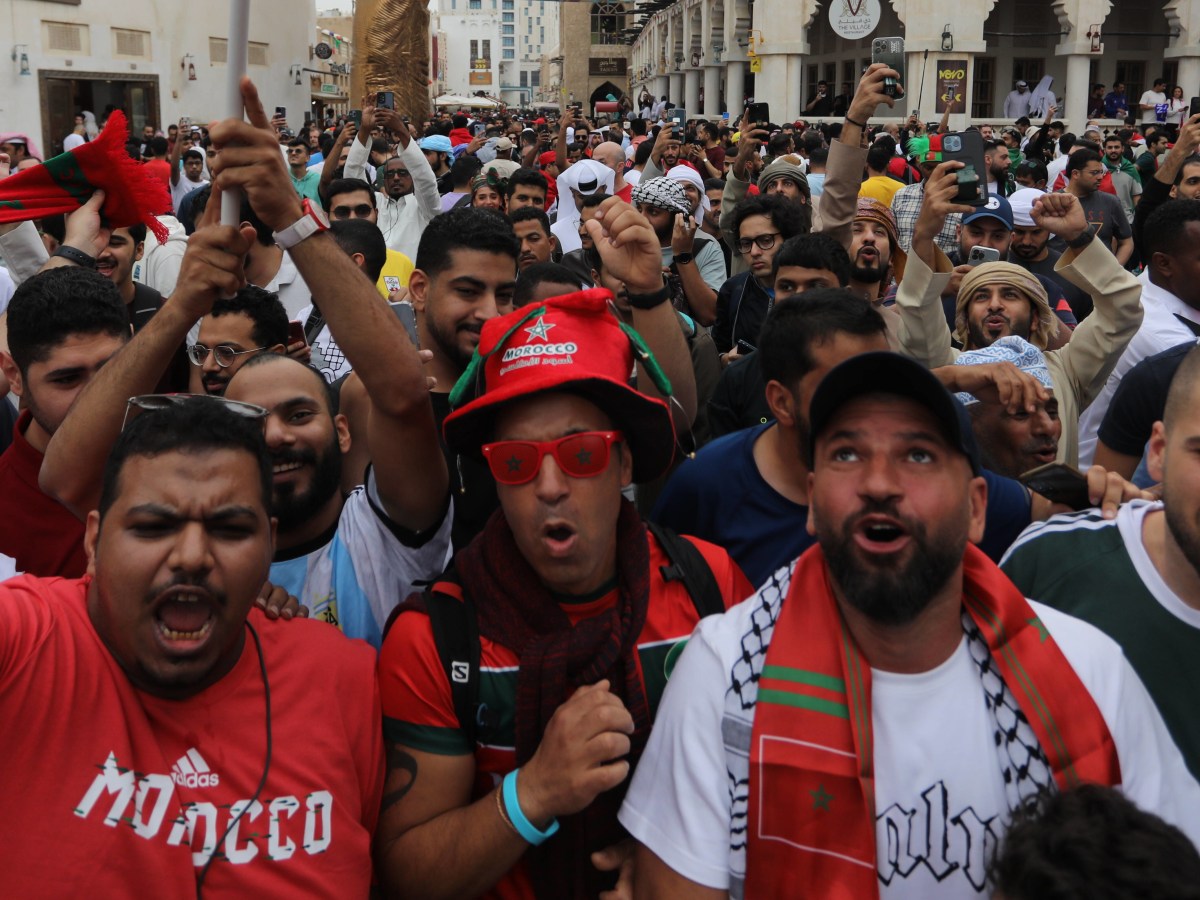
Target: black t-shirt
[
  {"x": 1139, "y": 401},
  {"x": 742, "y": 307},
  {"x": 471, "y": 484},
  {"x": 1079, "y": 300},
  {"x": 739, "y": 399}
]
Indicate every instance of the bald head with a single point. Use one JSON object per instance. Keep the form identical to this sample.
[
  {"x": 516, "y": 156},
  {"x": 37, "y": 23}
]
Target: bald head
[
  {"x": 610, "y": 154},
  {"x": 1181, "y": 398}
]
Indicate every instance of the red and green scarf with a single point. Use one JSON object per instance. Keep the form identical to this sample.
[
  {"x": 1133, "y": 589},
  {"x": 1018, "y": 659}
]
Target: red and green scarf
[
  {"x": 811, "y": 825},
  {"x": 66, "y": 182}
]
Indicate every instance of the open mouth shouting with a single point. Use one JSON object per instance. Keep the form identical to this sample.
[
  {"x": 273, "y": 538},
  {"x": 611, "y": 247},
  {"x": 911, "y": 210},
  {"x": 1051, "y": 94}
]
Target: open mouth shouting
[
  {"x": 184, "y": 617},
  {"x": 879, "y": 534},
  {"x": 559, "y": 538}
]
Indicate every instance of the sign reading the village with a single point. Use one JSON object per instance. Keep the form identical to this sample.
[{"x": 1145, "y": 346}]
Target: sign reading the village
[{"x": 853, "y": 19}]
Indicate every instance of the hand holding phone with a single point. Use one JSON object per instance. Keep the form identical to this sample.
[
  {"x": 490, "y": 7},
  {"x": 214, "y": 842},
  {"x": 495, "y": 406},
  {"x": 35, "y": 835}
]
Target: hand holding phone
[
  {"x": 890, "y": 52},
  {"x": 1059, "y": 483},
  {"x": 967, "y": 147},
  {"x": 385, "y": 100},
  {"x": 281, "y": 112},
  {"x": 1195, "y": 108}
]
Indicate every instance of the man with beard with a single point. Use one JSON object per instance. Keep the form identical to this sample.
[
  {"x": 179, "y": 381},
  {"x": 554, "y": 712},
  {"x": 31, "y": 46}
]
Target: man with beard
[
  {"x": 1123, "y": 174},
  {"x": 1030, "y": 249},
  {"x": 875, "y": 255},
  {"x": 253, "y": 321},
  {"x": 1013, "y": 440},
  {"x": 410, "y": 198},
  {"x": 465, "y": 275},
  {"x": 691, "y": 260},
  {"x": 1177, "y": 178},
  {"x": 349, "y": 559},
  {"x": 892, "y": 668},
  {"x": 995, "y": 157},
  {"x": 998, "y": 299},
  {"x": 1137, "y": 576}
]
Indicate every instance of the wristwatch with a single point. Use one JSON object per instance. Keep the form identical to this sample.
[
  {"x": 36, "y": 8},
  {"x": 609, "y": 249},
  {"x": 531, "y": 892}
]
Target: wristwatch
[
  {"x": 76, "y": 256},
  {"x": 682, "y": 258},
  {"x": 314, "y": 220}
]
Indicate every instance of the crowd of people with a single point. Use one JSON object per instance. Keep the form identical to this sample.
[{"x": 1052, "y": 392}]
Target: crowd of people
[{"x": 534, "y": 506}]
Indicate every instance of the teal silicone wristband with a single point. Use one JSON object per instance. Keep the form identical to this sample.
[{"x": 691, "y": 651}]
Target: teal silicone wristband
[{"x": 513, "y": 807}]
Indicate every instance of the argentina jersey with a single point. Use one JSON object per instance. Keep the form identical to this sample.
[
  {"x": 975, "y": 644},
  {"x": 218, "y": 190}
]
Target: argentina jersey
[{"x": 365, "y": 568}]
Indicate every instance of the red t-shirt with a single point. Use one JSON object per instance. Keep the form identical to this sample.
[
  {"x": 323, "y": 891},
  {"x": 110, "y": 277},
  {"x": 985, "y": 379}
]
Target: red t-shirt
[
  {"x": 418, "y": 707},
  {"x": 160, "y": 169},
  {"x": 626, "y": 193},
  {"x": 116, "y": 793},
  {"x": 41, "y": 534}
]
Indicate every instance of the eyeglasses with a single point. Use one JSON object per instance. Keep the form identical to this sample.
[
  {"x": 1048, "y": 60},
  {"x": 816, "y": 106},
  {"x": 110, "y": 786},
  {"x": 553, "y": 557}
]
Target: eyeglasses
[
  {"x": 398, "y": 173},
  {"x": 226, "y": 355},
  {"x": 362, "y": 211},
  {"x": 154, "y": 402},
  {"x": 763, "y": 241},
  {"x": 583, "y": 455}
]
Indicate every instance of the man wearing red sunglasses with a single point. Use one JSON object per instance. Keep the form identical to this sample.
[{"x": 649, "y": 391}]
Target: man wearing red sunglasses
[{"x": 510, "y": 788}]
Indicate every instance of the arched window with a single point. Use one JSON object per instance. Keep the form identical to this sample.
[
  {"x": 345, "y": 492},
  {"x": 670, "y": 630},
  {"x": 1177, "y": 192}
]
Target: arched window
[{"x": 608, "y": 21}]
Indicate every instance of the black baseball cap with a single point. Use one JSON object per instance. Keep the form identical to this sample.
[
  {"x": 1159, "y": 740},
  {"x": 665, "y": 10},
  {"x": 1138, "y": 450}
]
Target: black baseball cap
[{"x": 884, "y": 372}]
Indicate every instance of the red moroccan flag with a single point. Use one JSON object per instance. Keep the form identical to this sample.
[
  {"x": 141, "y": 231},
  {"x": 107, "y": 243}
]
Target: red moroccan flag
[{"x": 66, "y": 182}]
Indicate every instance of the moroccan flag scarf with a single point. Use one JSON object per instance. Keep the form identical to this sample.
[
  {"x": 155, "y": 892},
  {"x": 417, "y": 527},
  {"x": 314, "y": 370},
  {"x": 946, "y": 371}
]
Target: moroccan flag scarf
[
  {"x": 517, "y": 611},
  {"x": 811, "y": 825},
  {"x": 66, "y": 182}
]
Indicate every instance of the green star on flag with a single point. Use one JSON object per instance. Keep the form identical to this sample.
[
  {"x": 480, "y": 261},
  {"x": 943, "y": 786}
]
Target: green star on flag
[
  {"x": 821, "y": 799},
  {"x": 1043, "y": 634}
]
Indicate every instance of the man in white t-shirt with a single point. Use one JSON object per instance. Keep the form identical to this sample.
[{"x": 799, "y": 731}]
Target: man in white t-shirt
[
  {"x": 1154, "y": 103},
  {"x": 872, "y": 716},
  {"x": 189, "y": 179}
]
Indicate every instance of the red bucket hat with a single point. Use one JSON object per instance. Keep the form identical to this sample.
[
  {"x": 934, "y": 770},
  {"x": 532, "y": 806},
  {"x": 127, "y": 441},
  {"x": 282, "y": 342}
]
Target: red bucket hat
[{"x": 573, "y": 343}]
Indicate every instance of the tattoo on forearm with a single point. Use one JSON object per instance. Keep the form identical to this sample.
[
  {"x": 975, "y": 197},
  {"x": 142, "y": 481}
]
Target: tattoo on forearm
[{"x": 403, "y": 764}]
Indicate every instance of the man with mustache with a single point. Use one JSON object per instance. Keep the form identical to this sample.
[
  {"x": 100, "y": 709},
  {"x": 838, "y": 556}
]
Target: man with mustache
[
  {"x": 1013, "y": 440},
  {"x": 999, "y": 299},
  {"x": 872, "y": 716},
  {"x": 349, "y": 559},
  {"x": 210, "y": 751},
  {"x": 253, "y": 321}
]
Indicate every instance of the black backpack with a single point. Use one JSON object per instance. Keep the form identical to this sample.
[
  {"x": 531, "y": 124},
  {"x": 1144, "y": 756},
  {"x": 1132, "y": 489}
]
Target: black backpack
[{"x": 456, "y": 626}]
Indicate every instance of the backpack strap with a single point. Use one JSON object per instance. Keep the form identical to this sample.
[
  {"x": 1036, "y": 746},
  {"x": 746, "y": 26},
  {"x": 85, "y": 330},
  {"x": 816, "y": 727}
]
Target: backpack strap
[
  {"x": 313, "y": 325},
  {"x": 690, "y": 567},
  {"x": 456, "y": 636}
]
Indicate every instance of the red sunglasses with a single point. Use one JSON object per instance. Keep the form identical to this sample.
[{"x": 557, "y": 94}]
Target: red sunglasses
[{"x": 582, "y": 455}]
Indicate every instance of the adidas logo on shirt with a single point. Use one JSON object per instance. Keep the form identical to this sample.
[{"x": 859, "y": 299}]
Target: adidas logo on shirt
[{"x": 190, "y": 770}]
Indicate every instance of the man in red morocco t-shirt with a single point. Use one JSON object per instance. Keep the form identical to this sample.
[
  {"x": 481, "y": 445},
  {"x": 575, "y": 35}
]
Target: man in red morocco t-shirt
[{"x": 160, "y": 736}]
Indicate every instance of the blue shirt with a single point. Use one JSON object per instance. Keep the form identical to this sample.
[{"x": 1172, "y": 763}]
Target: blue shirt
[{"x": 721, "y": 497}]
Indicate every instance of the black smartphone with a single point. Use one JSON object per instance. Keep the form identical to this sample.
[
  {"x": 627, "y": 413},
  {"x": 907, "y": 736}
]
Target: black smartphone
[
  {"x": 385, "y": 100},
  {"x": 890, "y": 52},
  {"x": 1059, "y": 483},
  {"x": 408, "y": 318},
  {"x": 1195, "y": 108},
  {"x": 308, "y": 118},
  {"x": 281, "y": 112},
  {"x": 759, "y": 114},
  {"x": 967, "y": 147},
  {"x": 355, "y": 116},
  {"x": 296, "y": 333},
  {"x": 744, "y": 347}
]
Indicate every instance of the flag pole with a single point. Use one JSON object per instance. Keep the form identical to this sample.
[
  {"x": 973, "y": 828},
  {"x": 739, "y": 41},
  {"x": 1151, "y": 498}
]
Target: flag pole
[{"x": 239, "y": 36}]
